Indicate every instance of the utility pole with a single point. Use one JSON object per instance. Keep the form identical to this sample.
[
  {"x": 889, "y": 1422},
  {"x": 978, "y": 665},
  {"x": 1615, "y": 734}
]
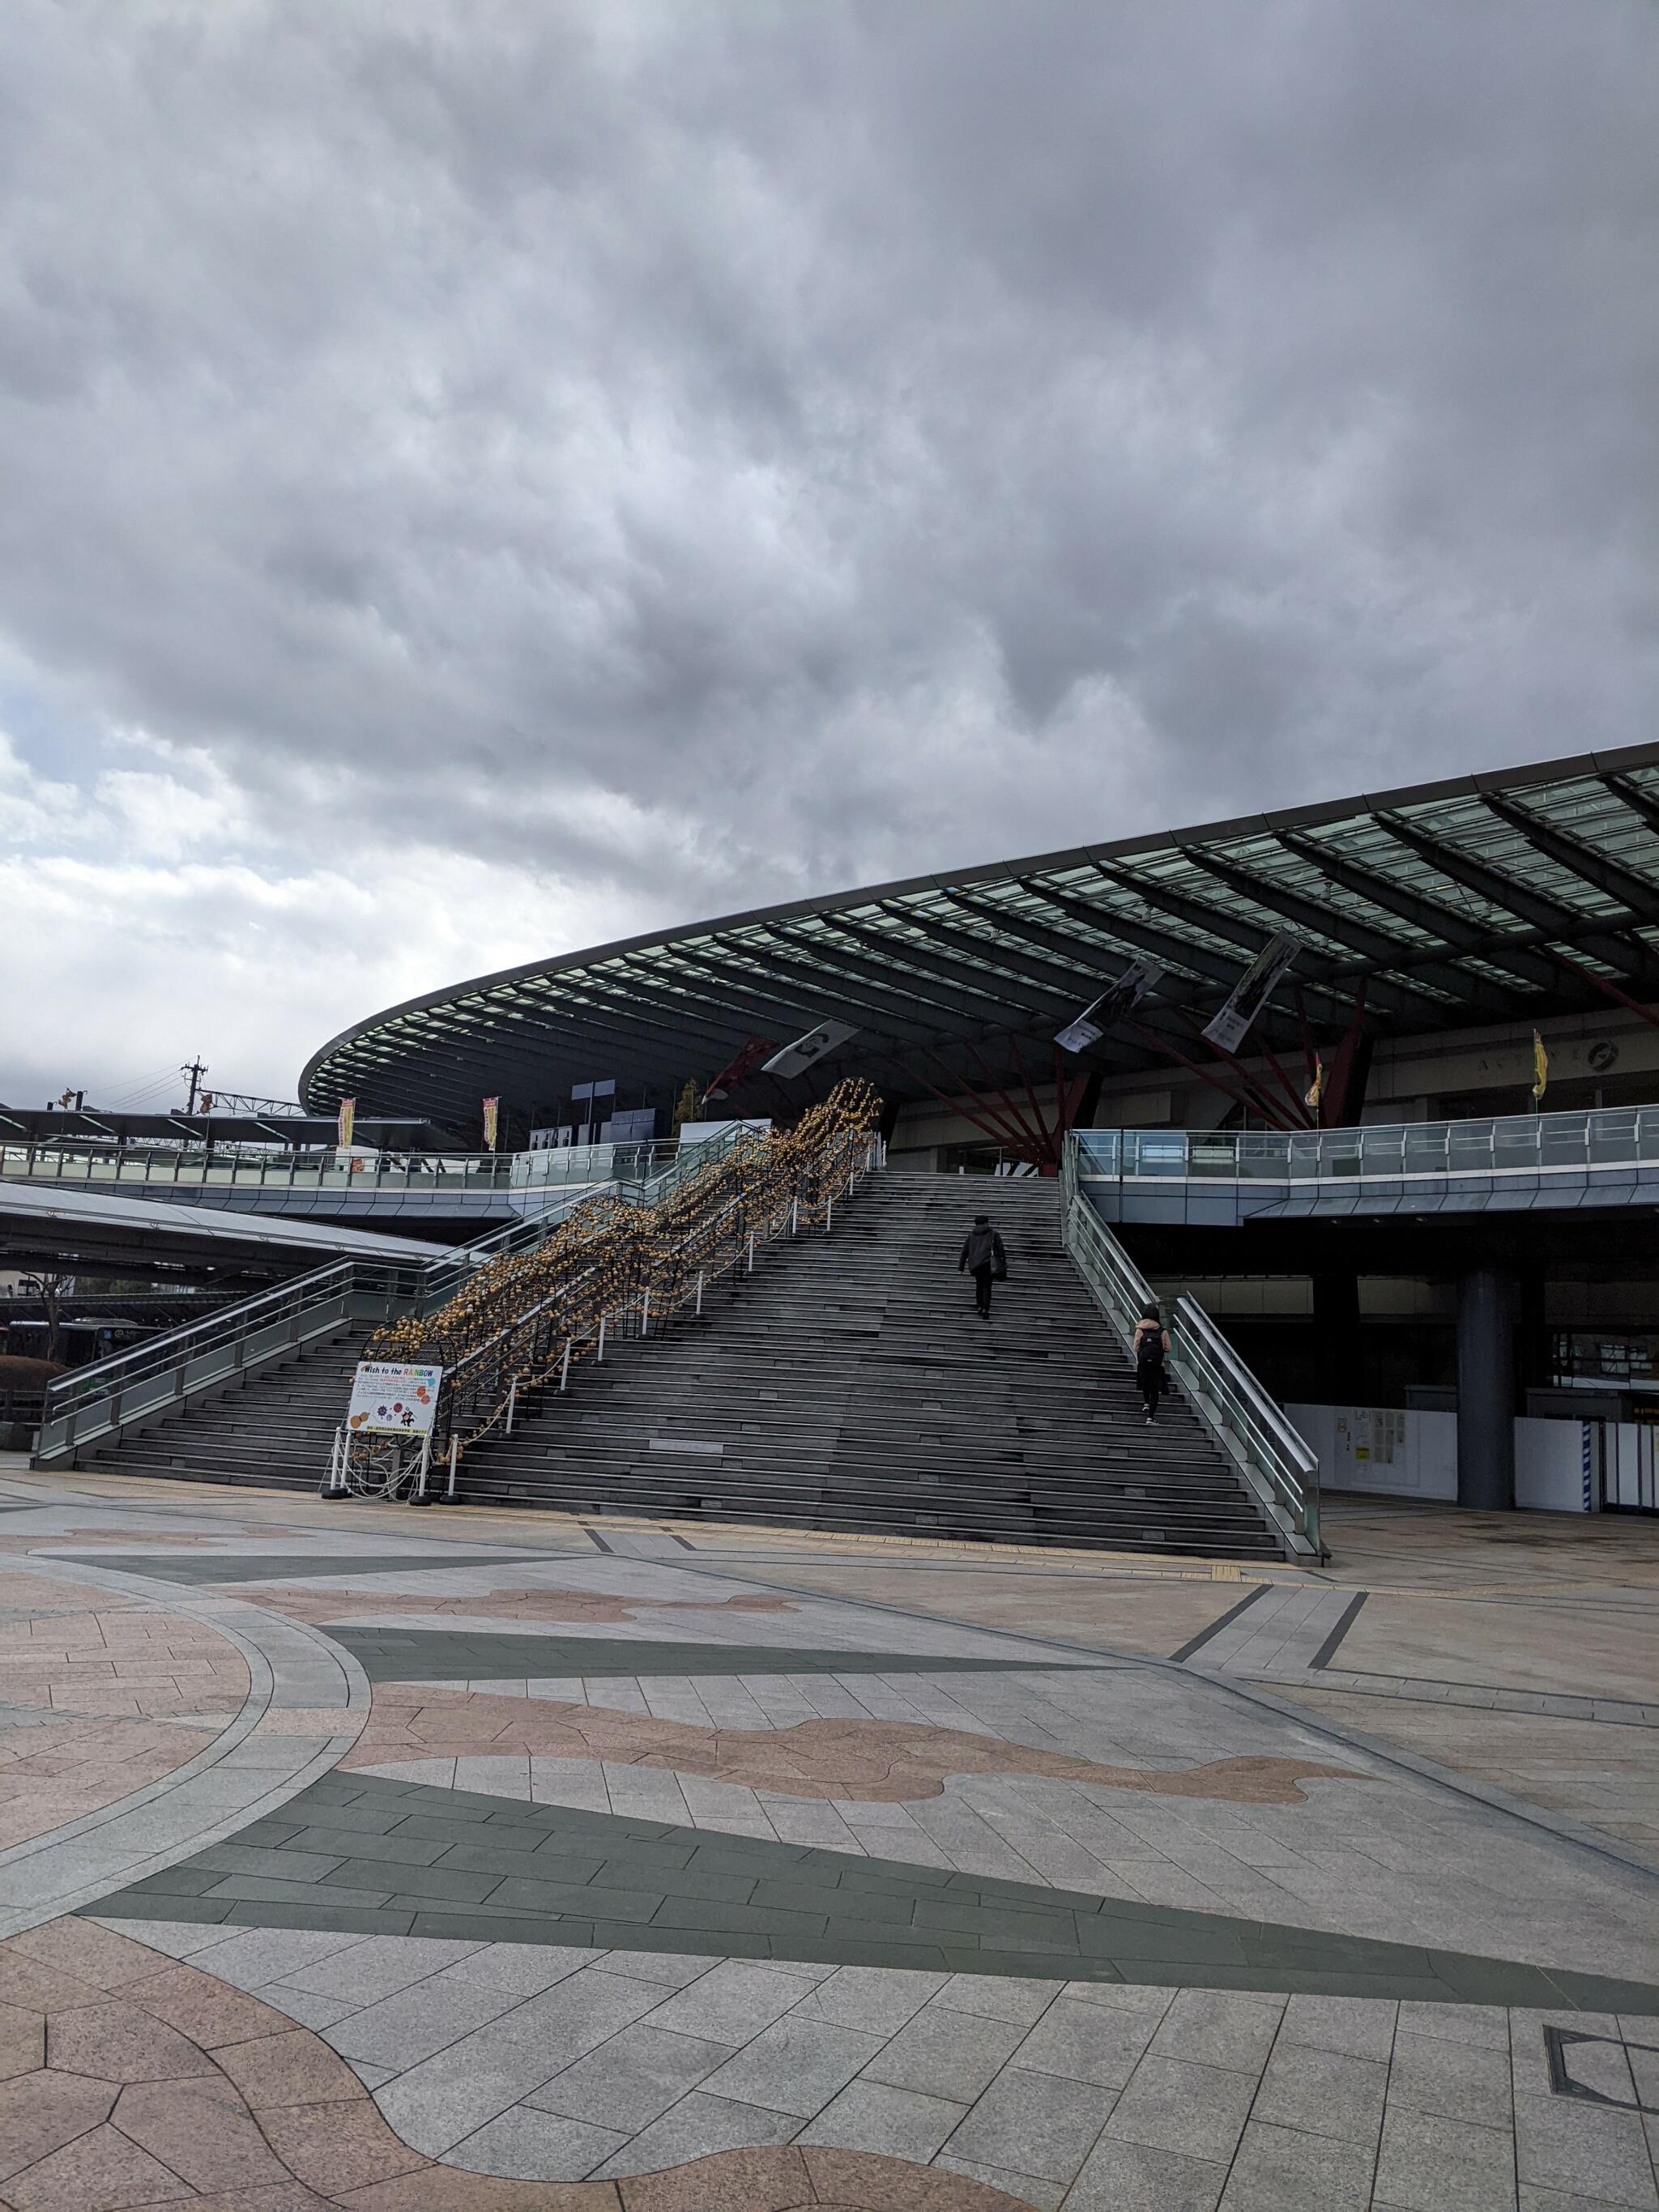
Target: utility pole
[{"x": 196, "y": 1070}]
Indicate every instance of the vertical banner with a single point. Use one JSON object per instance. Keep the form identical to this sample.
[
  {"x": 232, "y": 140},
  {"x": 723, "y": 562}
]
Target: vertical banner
[
  {"x": 1112, "y": 1006},
  {"x": 1540, "y": 1067},
  {"x": 1229, "y": 1027},
  {"x": 1315, "y": 1089},
  {"x": 492, "y": 1109},
  {"x": 348, "y": 1117}
]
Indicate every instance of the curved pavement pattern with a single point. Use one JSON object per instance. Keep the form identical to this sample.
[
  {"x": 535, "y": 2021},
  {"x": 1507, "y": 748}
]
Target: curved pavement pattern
[{"x": 655, "y": 1884}]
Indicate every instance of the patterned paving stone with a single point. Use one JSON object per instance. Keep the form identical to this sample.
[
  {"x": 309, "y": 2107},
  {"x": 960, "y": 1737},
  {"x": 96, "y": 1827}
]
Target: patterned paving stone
[
  {"x": 446, "y": 1655},
  {"x": 508, "y": 1871}
]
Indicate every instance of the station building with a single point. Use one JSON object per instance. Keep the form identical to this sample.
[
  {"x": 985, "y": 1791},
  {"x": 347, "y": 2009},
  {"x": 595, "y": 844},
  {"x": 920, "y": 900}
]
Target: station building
[{"x": 1475, "y": 969}]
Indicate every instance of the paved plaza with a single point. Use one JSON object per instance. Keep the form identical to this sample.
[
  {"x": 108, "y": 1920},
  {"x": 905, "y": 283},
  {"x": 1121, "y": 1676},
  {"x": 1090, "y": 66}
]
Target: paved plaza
[{"x": 353, "y": 1857}]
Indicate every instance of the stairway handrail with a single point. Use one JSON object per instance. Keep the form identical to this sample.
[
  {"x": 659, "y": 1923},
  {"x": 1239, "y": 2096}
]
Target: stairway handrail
[
  {"x": 1278, "y": 1465},
  {"x": 523, "y": 1353},
  {"x": 70, "y": 1410}
]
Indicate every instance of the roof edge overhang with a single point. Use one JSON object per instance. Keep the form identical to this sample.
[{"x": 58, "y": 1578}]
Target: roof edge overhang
[{"x": 1313, "y": 815}]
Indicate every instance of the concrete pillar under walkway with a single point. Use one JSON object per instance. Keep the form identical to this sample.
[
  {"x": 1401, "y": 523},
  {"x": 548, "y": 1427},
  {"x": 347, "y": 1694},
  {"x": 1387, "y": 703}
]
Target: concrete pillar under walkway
[{"x": 1487, "y": 1301}]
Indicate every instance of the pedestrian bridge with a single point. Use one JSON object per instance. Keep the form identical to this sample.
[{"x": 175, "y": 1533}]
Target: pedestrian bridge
[
  {"x": 414, "y": 1189},
  {"x": 1529, "y": 1163}
]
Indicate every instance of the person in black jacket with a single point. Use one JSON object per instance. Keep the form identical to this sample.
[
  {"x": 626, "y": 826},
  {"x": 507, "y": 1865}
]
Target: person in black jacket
[
  {"x": 1151, "y": 1350},
  {"x": 984, "y": 1259}
]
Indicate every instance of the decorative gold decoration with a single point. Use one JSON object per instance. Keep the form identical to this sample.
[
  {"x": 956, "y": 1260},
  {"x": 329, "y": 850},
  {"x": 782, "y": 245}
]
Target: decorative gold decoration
[{"x": 626, "y": 1265}]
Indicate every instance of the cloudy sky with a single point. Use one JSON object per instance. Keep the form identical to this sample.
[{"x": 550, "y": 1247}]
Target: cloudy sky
[{"x": 481, "y": 476}]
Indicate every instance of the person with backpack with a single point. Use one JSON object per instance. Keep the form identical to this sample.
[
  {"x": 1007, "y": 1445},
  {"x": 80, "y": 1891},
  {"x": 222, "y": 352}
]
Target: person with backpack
[
  {"x": 1152, "y": 1348},
  {"x": 984, "y": 1259}
]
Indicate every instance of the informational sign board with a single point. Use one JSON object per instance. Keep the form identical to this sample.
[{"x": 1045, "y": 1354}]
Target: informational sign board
[
  {"x": 1251, "y": 992},
  {"x": 1124, "y": 996},
  {"x": 387, "y": 1400},
  {"x": 795, "y": 1059}
]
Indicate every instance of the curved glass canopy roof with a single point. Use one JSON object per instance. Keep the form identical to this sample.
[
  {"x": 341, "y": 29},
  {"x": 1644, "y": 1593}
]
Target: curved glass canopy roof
[{"x": 1492, "y": 899}]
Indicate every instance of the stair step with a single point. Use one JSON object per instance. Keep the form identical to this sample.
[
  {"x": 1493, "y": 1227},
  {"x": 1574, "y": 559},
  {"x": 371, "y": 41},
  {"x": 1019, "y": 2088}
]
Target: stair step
[{"x": 846, "y": 1385}]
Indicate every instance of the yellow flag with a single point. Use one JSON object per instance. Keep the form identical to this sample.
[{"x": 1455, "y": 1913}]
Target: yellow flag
[
  {"x": 1315, "y": 1089},
  {"x": 1540, "y": 1067},
  {"x": 348, "y": 1116},
  {"x": 492, "y": 1108}
]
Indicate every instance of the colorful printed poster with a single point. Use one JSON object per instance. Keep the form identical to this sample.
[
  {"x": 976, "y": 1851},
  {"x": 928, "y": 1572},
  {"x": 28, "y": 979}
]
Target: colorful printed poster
[
  {"x": 492, "y": 1112},
  {"x": 348, "y": 1116},
  {"x": 387, "y": 1400}
]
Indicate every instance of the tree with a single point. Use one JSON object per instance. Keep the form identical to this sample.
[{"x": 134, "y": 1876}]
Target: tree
[
  {"x": 50, "y": 1287},
  {"x": 688, "y": 1105}
]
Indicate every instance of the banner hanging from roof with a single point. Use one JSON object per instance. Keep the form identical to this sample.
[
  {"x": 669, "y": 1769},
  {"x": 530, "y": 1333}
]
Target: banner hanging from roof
[
  {"x": 347, "y": 1118},
  {"x": 1229, "y": 1027},
  {"x": 492, "y": 1114},
  {"x": 795, "y": 1059},
  {"x": 1113, "y": 1003}
]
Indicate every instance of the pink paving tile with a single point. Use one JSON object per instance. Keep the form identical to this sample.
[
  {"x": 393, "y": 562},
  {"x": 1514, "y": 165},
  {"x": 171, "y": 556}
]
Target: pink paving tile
[
  {"x": 39, "y": 2113},
  {"x": 115, "y": 2042},
  {"x": 209, "y": 2011},
  {"x": 200, "y": 2130},
  {"x": 101, "y": 2168}
]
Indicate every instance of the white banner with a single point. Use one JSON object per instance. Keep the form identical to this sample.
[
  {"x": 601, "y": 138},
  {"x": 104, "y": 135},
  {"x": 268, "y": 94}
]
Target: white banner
[
  {"x": 388, "y": 1399},
  {"x": 1251, "y": 992},
  {"x": 1123, "y": 997},
  {"x": 795, "y": 1059}
]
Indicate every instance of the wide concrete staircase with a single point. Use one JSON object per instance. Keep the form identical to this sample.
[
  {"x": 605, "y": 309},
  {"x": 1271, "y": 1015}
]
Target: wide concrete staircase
[{"x": 848, "y": 1384}]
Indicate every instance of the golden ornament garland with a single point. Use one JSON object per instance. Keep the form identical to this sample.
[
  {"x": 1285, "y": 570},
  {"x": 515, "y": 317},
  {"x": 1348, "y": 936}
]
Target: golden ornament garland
[{"x": 524, "y": 1319}]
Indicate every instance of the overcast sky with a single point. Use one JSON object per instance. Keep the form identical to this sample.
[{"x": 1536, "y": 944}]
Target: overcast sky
[{"x": 482, "y": 477}]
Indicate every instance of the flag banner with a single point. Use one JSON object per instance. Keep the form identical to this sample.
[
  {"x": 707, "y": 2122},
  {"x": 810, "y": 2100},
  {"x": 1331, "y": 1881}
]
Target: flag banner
[
  {"x": 390, "y": 1400},
  {"x": 1113, "y": 1003},
  {"x": 795, "y": 1059},
  {"x": 1540, "y": 1067},
  {"x": 348, "y": 1119},
  {"x": 492, "y": 1110},
  {"x": 1229, "y": 1027},
  {"x": 1315, "y": 1089}
]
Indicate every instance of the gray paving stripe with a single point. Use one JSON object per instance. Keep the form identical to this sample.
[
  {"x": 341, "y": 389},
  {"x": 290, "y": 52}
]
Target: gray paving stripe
[
  {"x": 357, "y": 1853},
  {"x": 199, "y": 1568},
  {"x": 432, "y": 1654}
]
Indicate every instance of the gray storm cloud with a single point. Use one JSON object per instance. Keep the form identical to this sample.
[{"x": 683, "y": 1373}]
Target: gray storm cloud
[{"x": 689, "y": 455}]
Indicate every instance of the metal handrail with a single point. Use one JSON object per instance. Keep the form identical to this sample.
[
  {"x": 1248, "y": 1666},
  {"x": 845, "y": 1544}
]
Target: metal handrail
[
  {"x": 529, "y": 1351},
  {"x": 108, "y": 1395},
  {"x": 1277, "y": 1465},
  {"x": 1520, "y": 1144},
  {"x": 229, "y": 1166}
]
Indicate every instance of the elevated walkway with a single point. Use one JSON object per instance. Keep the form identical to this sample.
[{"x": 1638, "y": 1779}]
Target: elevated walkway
[
  {"x": 43, "y": 1223},
  {"x": 1534, "y": 1163}
]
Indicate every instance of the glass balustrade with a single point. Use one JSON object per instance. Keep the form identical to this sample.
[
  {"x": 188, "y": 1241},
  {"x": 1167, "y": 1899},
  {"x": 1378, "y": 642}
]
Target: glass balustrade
[
  {"x": 1520, "y": 1144},
  {"x": 441, "y": 1174}
]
